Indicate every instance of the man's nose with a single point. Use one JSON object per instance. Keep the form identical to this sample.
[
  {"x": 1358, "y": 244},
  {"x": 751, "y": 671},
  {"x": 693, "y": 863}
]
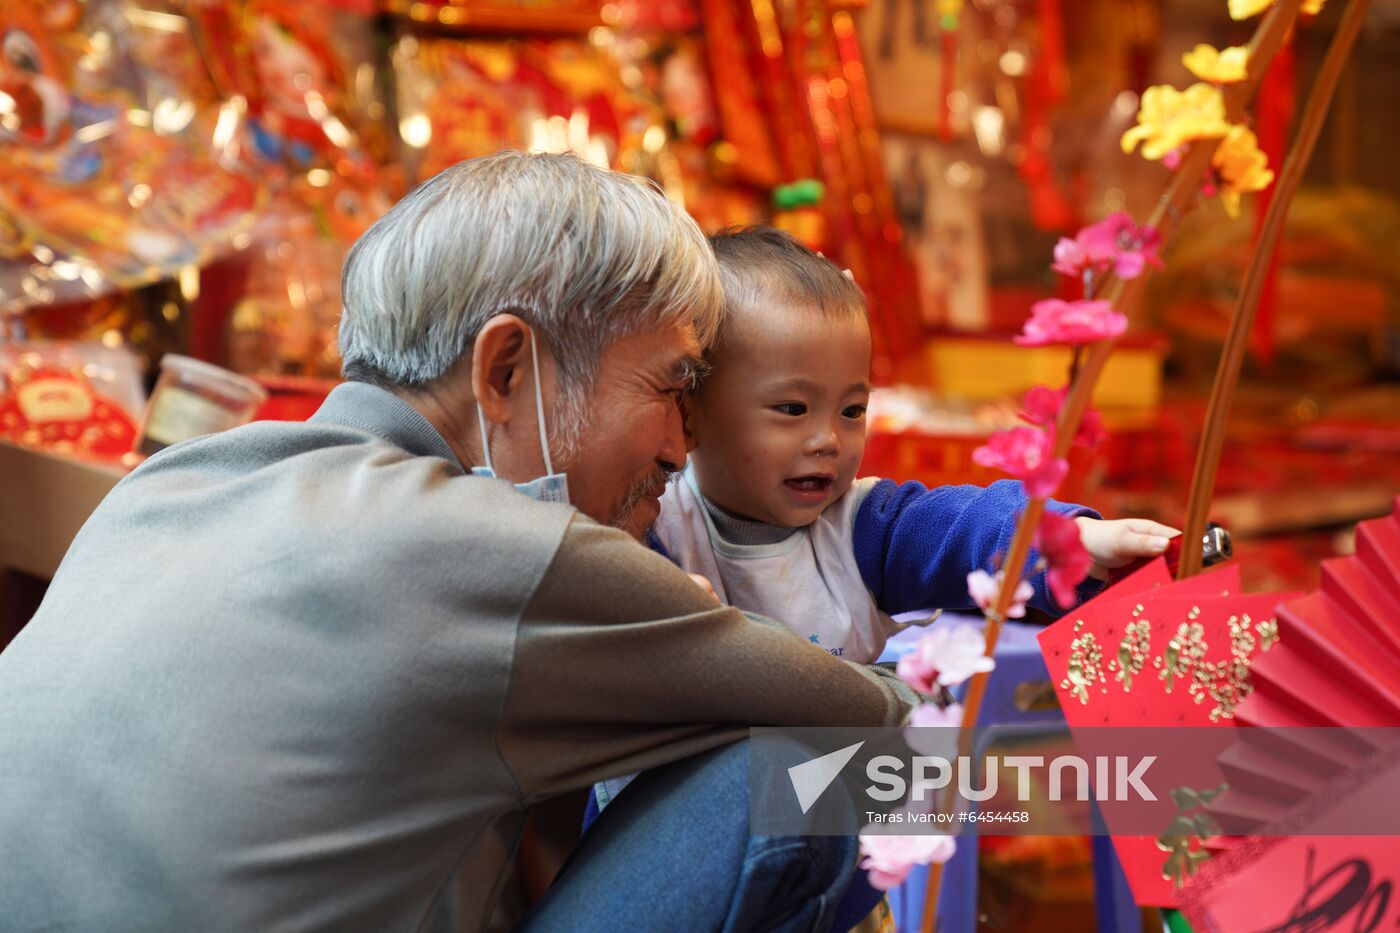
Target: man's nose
[
  {"x": 690, "y": 442},
  {"x": 677, "y": 443}
]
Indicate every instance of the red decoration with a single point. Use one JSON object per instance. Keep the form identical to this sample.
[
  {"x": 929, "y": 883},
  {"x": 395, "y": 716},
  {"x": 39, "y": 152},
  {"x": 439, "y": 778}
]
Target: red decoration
[
  {"x": 1153, "y": 653},
  {"x": 56, "y": 410}
]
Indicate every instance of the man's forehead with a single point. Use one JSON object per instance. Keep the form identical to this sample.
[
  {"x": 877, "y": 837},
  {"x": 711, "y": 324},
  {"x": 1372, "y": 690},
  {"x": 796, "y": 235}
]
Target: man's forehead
[
  {"x": 683, "y": 352},
  {"x": 670, "y": 354},
  {"x": 688, "y": 342}
]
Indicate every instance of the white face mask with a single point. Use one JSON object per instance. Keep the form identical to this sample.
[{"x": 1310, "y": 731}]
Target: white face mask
[{"x": 552, "y": 487}]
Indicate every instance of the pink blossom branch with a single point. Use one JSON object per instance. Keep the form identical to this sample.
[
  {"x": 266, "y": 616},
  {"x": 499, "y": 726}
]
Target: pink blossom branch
[{"x": 1124, "y": 295}]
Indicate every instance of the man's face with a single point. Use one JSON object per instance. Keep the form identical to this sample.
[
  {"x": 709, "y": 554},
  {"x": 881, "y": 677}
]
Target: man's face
[{"x": 632, "y": 436}]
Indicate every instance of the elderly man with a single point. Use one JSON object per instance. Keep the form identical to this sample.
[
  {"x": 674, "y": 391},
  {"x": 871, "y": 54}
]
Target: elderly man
[{"x": 301, "y": 676}]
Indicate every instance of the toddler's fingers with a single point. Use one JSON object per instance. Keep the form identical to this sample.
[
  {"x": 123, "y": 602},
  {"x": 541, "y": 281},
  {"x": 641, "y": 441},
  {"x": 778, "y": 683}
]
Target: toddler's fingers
[
  {"x": 1145, "y": 526},
  {"x": 704, "y": 584},
  {"x": 1149, "y": 544}
]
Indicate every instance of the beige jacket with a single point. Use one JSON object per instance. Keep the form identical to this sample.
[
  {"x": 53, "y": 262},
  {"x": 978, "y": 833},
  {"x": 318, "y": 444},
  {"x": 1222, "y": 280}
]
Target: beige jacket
[{"x": 294, "y": 675}]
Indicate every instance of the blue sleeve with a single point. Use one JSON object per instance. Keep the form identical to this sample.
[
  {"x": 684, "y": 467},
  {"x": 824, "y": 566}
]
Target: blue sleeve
[
  {"x": 915, "y": 546},
  {"x": 654, "y": 543}
]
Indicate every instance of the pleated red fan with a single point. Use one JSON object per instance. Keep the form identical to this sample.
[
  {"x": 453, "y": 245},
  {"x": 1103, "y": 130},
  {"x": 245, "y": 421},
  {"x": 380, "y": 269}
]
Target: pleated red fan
[{"x": 1337, "y": 663}]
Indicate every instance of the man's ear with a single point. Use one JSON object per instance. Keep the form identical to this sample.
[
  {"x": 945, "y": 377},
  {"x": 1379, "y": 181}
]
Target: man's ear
[{"x": 500, "y": 362}]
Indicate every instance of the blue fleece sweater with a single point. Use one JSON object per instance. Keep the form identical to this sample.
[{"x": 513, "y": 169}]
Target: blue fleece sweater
[{"x": 915, "y": 546}]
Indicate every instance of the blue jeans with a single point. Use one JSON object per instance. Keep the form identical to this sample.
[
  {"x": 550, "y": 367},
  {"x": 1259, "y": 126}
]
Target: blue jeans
[{"x": 674, "y": 853}]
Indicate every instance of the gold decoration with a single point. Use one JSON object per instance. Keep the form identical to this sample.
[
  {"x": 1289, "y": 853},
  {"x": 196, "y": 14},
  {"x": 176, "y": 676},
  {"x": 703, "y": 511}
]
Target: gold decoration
[
  {"x": 1184, "y": 652},
  {"x": 1085, "y": 664},
  {"x": 1132, "y": 650},
  {"x": 1186, "y": 834},
  {"x": 1268, "y": 633},
  {"x": 1225, "y": 682}
]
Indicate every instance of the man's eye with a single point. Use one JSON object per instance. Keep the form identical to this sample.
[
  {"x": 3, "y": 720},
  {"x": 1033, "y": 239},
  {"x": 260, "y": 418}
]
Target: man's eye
[
  {"x": 854, "y": 411},
  {"x": 794, "y": 409}
]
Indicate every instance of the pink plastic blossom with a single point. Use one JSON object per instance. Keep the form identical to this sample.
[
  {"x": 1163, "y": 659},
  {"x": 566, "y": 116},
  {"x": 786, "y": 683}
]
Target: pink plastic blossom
[
  {"x": 945, "y": 656},
  {"x": 1067, "y": 563},
  {"x": 983, "y": 588},
  {"x": 889, "y": 859},
  {"x": 1026, "y": 454},
  {"x": 1115, "y": 243},
  {"x": 1073, "y": 322},
  {"x": 933, "y": 715},
  {"x": 1042, "y": 407},
  {"x": 933, "y": 730}
]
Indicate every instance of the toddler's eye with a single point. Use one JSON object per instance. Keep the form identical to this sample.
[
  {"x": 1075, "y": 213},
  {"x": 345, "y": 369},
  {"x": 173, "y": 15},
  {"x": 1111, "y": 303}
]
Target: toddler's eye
[
  {"x": 794, "y": 409},
  {"x": 854, "y": 411}
]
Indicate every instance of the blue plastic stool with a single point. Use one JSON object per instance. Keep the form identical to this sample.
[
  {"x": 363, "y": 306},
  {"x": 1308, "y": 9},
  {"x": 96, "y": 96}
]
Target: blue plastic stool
[
  {"x": 1114, "y": 907},
  {"x": 1018, "y": 661}
]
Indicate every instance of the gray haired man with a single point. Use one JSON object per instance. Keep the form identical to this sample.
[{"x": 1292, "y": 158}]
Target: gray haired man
[{"x": 301, "y": 676}]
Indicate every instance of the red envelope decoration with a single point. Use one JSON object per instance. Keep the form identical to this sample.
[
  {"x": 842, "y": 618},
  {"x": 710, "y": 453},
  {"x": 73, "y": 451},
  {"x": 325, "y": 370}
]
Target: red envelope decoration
[
  {"x": 1113, "y": 661},
  {"x": 1154, "y": 653}
]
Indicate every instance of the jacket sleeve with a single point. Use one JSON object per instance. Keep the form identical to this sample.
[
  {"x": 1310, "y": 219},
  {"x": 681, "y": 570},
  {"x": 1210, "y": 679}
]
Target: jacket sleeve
[
  {"x": 621, "y": 663},
  {"x": 915, "y": 546}
]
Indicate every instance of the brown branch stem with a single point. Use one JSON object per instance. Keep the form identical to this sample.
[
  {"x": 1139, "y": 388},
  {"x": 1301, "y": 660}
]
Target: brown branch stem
[{"x": 1227, "y": 374}]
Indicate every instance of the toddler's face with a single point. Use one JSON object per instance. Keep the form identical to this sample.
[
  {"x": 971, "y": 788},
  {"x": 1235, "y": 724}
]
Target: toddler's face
[{"x": 780, "y": 423}]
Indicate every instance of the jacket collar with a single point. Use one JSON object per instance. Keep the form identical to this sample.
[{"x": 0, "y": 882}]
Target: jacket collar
[{"x": 382, "y": 413}]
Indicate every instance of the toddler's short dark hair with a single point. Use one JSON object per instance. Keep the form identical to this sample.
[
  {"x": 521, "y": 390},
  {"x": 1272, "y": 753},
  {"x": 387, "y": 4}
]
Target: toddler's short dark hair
[{"x": 763, "y": 263}]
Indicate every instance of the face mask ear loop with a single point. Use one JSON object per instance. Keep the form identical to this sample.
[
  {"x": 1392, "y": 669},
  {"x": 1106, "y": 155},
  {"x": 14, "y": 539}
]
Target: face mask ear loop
[
  {"x": 485, "y": 444},
  {"x": 539, "y": 406}
]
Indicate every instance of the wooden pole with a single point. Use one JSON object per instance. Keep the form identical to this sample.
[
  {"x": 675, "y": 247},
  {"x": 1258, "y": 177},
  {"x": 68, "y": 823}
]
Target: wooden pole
[{"x": 1227, "y": 374}]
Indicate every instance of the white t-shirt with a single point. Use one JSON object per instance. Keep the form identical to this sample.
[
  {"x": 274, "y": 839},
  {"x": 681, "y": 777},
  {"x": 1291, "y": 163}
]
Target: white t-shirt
[{"x": 808, "y": 581}]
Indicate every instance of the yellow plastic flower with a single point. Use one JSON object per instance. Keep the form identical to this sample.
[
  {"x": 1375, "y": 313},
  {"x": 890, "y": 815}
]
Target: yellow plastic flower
[
  {"x": 1222, "y": 66},
  {"x": 1244, "y": 9},
  {"x": 1168, "y": 119},
  {"x": 1241, "y": 166}
]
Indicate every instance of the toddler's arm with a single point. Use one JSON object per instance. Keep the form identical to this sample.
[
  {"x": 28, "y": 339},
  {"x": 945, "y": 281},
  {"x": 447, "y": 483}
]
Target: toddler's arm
[{"x": 915, "y": 546}]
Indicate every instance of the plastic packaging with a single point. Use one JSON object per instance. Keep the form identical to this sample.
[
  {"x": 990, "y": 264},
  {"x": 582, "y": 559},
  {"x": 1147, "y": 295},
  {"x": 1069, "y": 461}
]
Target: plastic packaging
[
  {"x": 75, "y": 399},
  {"x": 193, "y": 398}
]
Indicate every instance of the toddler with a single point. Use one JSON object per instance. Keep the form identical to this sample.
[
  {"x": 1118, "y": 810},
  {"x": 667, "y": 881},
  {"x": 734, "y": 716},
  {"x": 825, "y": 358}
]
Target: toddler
[
  {"x": 769, "y": 511},
  {"x": 769, "y": 515}
]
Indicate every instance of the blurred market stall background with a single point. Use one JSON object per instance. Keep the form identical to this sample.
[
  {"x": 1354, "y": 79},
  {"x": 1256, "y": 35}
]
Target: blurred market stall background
[
  {"x": 181, "y": 180},
  {"x": 185, "y": 177}
]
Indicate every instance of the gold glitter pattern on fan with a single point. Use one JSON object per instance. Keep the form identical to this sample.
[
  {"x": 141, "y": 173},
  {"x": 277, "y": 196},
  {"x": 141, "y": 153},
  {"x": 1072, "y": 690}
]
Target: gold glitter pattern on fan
[
  {"x": 1133, "y": 649},
  {"x": 1085, "y": 664},
  {"x": 1225, "y": 682}
]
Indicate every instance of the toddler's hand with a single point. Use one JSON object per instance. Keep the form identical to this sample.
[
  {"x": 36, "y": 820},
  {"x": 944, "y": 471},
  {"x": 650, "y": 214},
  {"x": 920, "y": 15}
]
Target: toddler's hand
[
  {"x": 704, "y": 584},
  {"x": 1114, "y": 544}
]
